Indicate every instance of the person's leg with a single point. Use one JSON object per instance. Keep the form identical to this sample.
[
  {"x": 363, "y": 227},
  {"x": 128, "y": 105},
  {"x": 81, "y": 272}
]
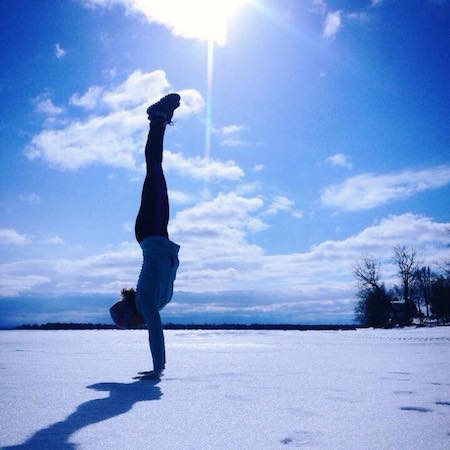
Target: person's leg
[
  {"x": 156, "y": 340},
  {"x": 153, "y": 215}
]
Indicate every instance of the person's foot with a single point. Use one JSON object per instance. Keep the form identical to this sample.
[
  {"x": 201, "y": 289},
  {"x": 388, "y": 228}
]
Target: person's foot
[
  {"x": 152, "y": 375},
  {"x": 164, "y": 108},
  {"x": 153, "y": 372}
]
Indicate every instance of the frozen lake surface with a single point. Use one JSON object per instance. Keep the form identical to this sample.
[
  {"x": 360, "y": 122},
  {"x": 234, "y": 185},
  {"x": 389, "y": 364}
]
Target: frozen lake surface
[{"x": 364, "y": 389}]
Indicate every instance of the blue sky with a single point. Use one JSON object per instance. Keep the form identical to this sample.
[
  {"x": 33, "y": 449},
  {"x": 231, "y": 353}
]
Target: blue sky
[{"x": 329, "y": 143}]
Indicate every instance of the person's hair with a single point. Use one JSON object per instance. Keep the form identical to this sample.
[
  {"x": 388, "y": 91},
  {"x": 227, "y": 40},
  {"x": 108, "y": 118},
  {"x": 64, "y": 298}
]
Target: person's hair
[{"x": 127, "y": 294}]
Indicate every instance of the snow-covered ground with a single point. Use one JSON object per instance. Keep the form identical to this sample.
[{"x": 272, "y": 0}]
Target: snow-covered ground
[{"x": 365, "y": 389}]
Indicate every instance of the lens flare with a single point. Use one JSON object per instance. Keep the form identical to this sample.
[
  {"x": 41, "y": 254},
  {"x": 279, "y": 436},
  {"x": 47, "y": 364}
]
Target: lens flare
[
  {"x": 200, "y": 19},
  {"x": 209, "y": 82}
]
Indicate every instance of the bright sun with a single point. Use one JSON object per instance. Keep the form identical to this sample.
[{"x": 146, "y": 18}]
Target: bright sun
[{"x": 201, "y": 19}]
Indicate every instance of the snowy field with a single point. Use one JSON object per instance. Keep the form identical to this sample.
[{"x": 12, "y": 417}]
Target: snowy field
[{"x": 365, "y": 389}]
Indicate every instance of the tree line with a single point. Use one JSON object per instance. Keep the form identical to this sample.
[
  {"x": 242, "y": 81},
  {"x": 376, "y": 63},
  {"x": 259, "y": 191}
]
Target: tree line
[
  {"x": 188, "y": 326},
  {"x": 422, "y": 294}
]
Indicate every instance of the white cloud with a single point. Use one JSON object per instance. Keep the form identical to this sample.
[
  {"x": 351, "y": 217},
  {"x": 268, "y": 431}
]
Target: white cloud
[
  {"x": 298, "y": 214},
  {"x": 339, "y": 160},
  {"x": 11, "y": 236},
  {"x": 231, "y": 136},
  {"x": 224, "y": 213},
  {"x": 375, "y": 2},
  {"x": 334, "y": 20},
  {"x": 369, "y": 190},
  {"x": 228, "y": 130},
  {"x": 179, "y": 197},
  {"x": 44, "y": 104},
  {"x": 199, "y": 19},
  {"x": 115, "y": 138},
  {"x": 212, "y": 234},
  {"x": 89, "y": 99},
  {"x": 248, "y": 188},
  {"x": 59, "y": 51},
  {"x": 332, "y": 24},
  {"x": 192, "y": 102},
  {"x": 13, "y": 285},
  {"x": 140, "y": 88},
  {"x": 255, "y": 224},
  {"x": 258, "y": 167},
  {"x": 279, "y": 203},
  {"x": 110, "y": 140},
  {"x": 31, "y": 199},
  {"x": 327, "y": 267},
  {"x": 106, "y": 272},
  {"x": 200, "y": 168},
  {"x": 53, "y": 122},
  {"x": 137, "y": 89},
  {"x": 217, "y": 257}
]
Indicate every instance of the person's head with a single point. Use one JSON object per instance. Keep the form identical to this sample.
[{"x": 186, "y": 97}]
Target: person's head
[
  {"x": 124, "y": 312},
  {"x": 128, "y": 294}
]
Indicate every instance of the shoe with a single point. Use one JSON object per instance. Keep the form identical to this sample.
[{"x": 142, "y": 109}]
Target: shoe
[
  {"x": 152, "y": 375},
  {"x": 164, "y": 108}
]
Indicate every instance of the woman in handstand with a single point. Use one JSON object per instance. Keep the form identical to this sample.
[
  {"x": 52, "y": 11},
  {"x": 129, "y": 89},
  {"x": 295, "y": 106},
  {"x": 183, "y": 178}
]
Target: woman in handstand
[{"x": 160, "y": 255}]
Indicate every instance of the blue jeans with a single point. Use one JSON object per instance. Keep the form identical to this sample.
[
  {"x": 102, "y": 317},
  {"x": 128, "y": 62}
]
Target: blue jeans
[
  {"x": 156, "y": 340},
  {"x": 154, "y": 289}
]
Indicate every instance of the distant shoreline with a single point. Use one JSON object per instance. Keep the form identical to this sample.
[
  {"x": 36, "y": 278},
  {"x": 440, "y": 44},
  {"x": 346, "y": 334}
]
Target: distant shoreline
[{"x": 176, "y": 326}]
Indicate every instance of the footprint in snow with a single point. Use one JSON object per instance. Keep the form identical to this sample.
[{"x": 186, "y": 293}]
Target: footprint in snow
[
  {"x": 298, "y": 439},
  {"x": 415, "y": 408}
]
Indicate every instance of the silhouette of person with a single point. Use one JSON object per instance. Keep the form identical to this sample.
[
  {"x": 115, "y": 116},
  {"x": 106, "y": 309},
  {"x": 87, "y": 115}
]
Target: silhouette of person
[
  {"x": 160, "y": 255},
  {"x": 122, "y": 397}
]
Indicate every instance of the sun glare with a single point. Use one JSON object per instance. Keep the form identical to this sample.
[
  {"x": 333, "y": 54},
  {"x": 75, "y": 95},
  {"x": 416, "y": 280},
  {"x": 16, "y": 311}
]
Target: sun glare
[
  {"x": 201, "y": 19},
  {"x": 206, "y": 20}
]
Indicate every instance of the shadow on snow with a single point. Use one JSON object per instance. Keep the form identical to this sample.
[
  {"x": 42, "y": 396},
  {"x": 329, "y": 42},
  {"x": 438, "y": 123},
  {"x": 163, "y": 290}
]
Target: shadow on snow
[{"x": 122, "y": 396}]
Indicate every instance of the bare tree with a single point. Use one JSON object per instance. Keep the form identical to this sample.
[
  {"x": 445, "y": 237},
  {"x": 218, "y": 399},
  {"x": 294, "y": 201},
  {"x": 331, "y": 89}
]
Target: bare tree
[
  {"x": 405, "y": 259},
  {"x": 424, "y": 280},
  {"x": 374, "y": 305},
  {"x": 367, "y": 273},
  {"x": 415, "y": 295}
]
